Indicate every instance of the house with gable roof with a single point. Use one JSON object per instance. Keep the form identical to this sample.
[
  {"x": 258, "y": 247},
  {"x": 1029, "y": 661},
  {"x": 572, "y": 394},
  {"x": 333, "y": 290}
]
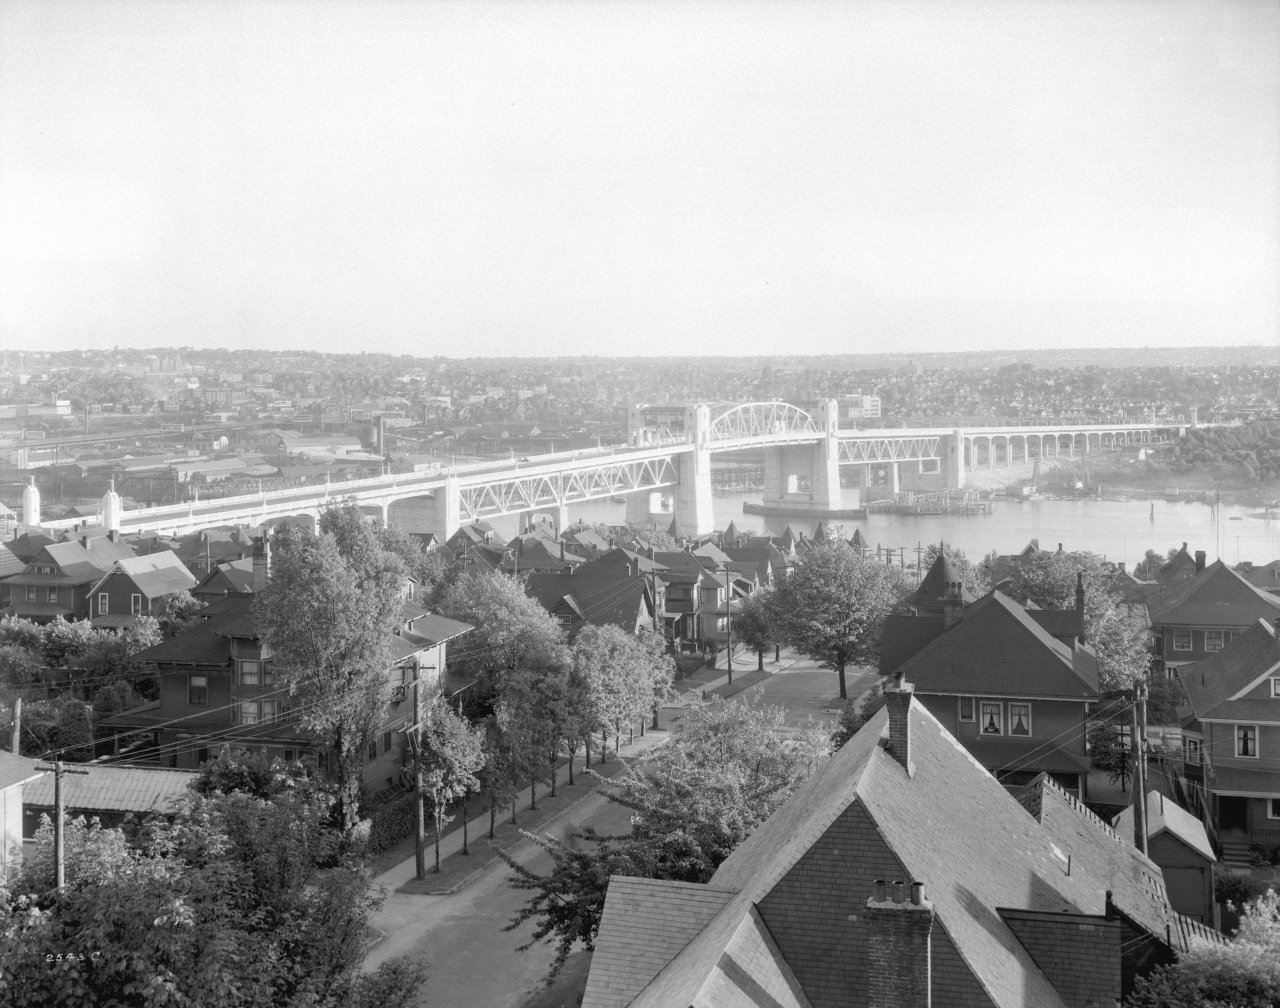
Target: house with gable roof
[
  {"x": 1178, "y": 843},
  {"x": 1233, "y": 737},
  {"x": 135, "y": 586},
  {"x": 57, "y": 580},
  {"x": 232, "y": 578},
  {"x": 900, "y": 873},
  {"x": 1014, "y": 692},
  {"x": 1198, "y": 616}
]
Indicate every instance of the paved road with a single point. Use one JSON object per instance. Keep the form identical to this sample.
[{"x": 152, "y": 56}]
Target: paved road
[{"x": 472, "y": 961}]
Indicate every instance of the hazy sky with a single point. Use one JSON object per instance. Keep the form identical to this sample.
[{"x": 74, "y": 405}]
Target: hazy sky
[{"x": 639, "y": 177}]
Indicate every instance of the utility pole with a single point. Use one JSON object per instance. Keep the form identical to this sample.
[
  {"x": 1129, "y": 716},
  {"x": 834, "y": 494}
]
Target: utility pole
[
  {"x": 59, "y": 859},
  {"x": 728, "y": 626},
  {"x": 17, "y": 726},
  {"x": 1138, "y": 728},
  {"x": 415, "y": 745}
]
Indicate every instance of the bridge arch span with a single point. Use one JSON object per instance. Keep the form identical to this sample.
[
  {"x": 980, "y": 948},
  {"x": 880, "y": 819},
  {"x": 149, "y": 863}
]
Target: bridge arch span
[{"x": 762, "y": 419}]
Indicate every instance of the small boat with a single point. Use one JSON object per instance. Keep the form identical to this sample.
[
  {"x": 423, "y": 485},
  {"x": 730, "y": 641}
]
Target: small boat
[
  {"x": 618, "y": 500},
  {"x": 1234, "y": 518}
]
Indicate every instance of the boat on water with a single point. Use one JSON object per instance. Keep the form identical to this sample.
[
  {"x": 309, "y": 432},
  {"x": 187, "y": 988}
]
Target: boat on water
[{"x": 618, "y": 499}]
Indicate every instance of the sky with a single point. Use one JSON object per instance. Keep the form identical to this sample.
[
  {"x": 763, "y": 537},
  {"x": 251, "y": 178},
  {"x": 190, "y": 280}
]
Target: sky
[{"x": 639, "y": 178}]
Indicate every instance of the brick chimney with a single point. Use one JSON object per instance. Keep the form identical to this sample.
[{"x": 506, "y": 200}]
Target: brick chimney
[
  {"x": 261, "y": 563},
  {"x": 897, "y": 698},
  {"x": 1199, "y": 561},
  {"x": 899, "y": 947}
]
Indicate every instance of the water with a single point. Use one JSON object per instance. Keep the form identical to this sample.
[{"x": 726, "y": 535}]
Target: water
[{"x": 1118, "y": 530}]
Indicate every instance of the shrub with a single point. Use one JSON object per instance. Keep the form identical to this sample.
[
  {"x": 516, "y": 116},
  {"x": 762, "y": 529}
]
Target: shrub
[
  {"x": 1237, "y": 889},
  {"x": 391, "y": 822}
]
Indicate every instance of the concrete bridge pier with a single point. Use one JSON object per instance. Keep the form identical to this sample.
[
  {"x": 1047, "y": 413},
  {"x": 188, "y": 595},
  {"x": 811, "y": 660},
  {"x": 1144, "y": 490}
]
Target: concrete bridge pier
[
  {"x": 953, "y": 459},
  {"x": 447, "y": 518},
  {"x": 31, "y": 503},
  {"x": 693, "y": 506},
  {"x": 806, "y": 476}
]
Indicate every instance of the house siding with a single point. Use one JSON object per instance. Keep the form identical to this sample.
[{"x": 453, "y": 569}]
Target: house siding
[
  {"x": 1188, "y": 877},
  {"x": 825, "y": 938},
  {"x": 1219, "y": 749}
]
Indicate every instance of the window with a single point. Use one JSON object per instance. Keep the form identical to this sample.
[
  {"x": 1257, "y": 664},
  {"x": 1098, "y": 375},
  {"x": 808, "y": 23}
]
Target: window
[
  {"x": 386, "y": 742},
  {"x": 258, "y": 711},
  {"x": 1275, "y": 687},
  {"x": 202, "y": 756},
  {"x": 966, "y": 709},
  {"x": 373, "y": 750},
  {"x": 1182, "y": 640},
  {"x": 31, "y": 593},
  {"x": 268, "y": 673},
  {"x": 1020, "y": 719},
  {"x": 104, "y": 603},
  {"x": 250, "y": 674},
  {"x": 135, "y": 604},
  {"x": 289, "y": 755},
  {"x": 1247, "y": 740},
  {"x": 1191, "y": 750},
  {"x": 1273, "y": 808},
  {"x": 1213, "y": 640},
  {"x": 198, "y": 691},
  {"x": 930, "y": 466},
  {"x": 53, "y": 595},
  {"x": 992, "y": 719}
]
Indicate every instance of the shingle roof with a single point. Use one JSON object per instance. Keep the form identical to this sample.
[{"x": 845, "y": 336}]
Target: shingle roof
[
  {"x": 904, "y": 636},
  {"x": 997, "y": 649},
  {"x": 1210, "y": 684},
  {"x": 206, "y": 643},
  {"x": 1166, "y": 815},
  {"x": 644, "y": 935},
  {"x": 236, "y": 576},
  {"x": 436, "y": 629},
  {"x": 596, "y": 599},
  {"x": 1216, "y": 597},
  {"x": 934, "y": 590},
  {"x": 113, "y": 789},
  {"x": 156, "y": 574},
  {"x": 85, "y": 563}
]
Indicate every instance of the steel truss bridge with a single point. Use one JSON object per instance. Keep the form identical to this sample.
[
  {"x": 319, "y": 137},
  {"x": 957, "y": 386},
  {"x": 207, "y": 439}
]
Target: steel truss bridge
[{"x": 661, "y": 438}]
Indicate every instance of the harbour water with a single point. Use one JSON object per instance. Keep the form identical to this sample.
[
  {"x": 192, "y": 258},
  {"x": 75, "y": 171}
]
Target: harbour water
[{"x": 1119, "y": 530}]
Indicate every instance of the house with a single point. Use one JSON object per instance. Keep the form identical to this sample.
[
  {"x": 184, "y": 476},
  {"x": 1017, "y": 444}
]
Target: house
[
  {"x": 1264, "y": 576},
  {"x": 16, "y": 772},
  {"x": 599, "y": 597},
  {"x": 232, "y": 578},
  {"x": 1232, "y": 739},
  {"x": 1177, "y": 842},
  {"x": 218, "y": 686},
  {"x": 528, "y": 555},
  {"x": 1178, "y": 568},
  {"x": 135, "y": 586},
  {"x": 106, "y": 793},
  {"x": 1013, "y": 693},
  {"x": 900, "y": 873},
  {"x": 57, "y": 580},
  {"x": 479, "y": 533},
  {"x": 1196, "y": 617},
  {"x": 935, "y": 606}
]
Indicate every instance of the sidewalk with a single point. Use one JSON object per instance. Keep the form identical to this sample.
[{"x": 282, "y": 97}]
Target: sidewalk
[
  {"x": 478, "y": 826},
  {"x": 714, "y": 682}
]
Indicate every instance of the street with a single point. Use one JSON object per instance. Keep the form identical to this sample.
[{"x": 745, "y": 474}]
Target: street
[{"x": 472, "y": 961}]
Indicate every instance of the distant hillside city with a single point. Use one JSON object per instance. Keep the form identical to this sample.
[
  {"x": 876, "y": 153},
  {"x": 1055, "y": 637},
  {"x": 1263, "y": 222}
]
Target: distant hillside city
[{"x": 167, "y": 424}]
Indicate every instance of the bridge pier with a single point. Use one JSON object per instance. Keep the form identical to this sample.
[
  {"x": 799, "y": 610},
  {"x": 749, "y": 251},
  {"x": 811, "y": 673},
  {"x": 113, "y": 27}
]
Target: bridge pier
[
  {"x": 447, "y": 518},
  {"x": 953, "y": 459},
  {"x": 31, "y": 503},
  {"x": 693, "y": 508},
  {"x": 806, "y": 477}
]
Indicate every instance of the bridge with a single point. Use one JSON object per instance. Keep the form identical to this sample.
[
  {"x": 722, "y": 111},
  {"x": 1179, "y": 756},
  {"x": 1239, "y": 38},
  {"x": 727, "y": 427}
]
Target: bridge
[{"x": 668, "y": 454}]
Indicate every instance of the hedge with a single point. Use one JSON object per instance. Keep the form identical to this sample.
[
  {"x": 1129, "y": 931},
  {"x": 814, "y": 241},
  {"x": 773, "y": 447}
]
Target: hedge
[{"x": 392, "y": 822}]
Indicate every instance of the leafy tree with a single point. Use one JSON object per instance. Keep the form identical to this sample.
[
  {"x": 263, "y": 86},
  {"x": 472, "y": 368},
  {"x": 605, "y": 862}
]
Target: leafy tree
[
  {"x": 177, "y": 613},
  {"x": 111, "y": 654},
  {"x": 1243, "y": 973},
  {"x": 18, "y": 665},
  {"x": 114, "y": 698},
  {"x": 74, "y": 732},
  {"x": 65, "y": 643},
  {"x": 499, "y": 773},
  {"x": 22, "y": 633},
  {"x": 624, "y": 674},
  {"x": 450, "y": 756},
  {"x": 327, "y": 622},
  {"x": 1109, "y": 751},
  {"x": 694, "y": 801},
  {"x": 240, "y": 771},
  {"x": 1122, "y": 645},
  {"x": 512, "y": 630},
  {"x": 751, "y": 624},
  {"x": 833, "y": 606},
  {"x": 856, "y": 713},
  {"x": 236, "y": 901}
]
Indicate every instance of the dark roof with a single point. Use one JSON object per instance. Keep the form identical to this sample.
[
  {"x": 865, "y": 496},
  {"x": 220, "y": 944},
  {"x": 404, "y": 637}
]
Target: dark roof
[
  {"x": 618, "y": 561},
  {"x": 904, "y": 636},
  {"x": 27, "y": 545},
  {"x": 1217, "y": 596},
  {"x": 9, "y": 562},
  {"x": 1214, "y": 687},
  {"x": 236, "y": 576},
  {"x": 934, "y": 591},
  {"x": 207, "y": 642},
  {"x": 1059, "y": 622},
  {"x": 997, "y": 649},
  {"x": 596, "y": 599}
]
